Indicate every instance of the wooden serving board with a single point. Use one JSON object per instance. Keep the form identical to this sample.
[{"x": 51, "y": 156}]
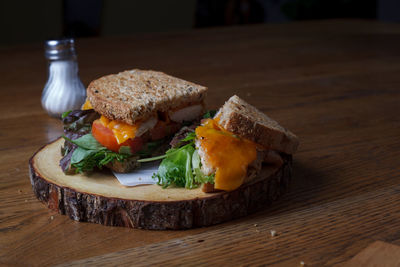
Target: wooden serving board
[{"x": 99, "y": 197}]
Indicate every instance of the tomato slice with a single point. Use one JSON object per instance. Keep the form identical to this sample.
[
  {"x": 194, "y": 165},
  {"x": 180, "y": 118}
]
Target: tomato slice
[{"x": 106, "y": 137}]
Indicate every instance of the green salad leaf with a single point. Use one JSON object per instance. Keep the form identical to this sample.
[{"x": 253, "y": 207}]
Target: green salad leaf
[
  {"x": 65, "y": 114},
  {"x": 209, "y": 114},
  {"x": 175, "y": 169},
  {"x": 181, "y": 166},
  {"x": 86, "y": 141},
  {"x": 189, "y": 137},
  {"x": 80, "y": 154},
  {"x": 90, "y": 154},
  {"x": 200, "y": 178},
  {"x": 125, "y": 150}
]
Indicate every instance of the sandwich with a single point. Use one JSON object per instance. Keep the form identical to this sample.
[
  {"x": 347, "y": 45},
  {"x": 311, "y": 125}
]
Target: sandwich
[
  {"x": 226, "y": 150},
  {"x": 126, "y": 117}
]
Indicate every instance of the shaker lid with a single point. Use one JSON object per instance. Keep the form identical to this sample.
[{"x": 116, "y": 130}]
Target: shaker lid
[{"x": 60, "y": 49}]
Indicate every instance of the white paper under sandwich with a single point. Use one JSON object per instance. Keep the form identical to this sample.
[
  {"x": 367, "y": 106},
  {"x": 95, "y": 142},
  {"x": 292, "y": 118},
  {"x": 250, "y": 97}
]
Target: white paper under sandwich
[{"x": 141, "y": 176}]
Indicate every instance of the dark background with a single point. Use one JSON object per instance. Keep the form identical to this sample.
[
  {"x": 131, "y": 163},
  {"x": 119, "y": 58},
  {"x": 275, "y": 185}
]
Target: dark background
[{"x": 30, "y": 21}]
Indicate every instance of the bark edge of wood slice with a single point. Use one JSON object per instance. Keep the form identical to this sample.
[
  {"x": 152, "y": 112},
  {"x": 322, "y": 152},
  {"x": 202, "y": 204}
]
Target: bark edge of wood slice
[{"x": 193, "y": 211}]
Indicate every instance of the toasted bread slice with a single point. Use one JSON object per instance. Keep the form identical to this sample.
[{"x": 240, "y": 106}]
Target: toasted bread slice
[
  {"x": 244, "y": 120},
  {"x": 138, "y": 94}
]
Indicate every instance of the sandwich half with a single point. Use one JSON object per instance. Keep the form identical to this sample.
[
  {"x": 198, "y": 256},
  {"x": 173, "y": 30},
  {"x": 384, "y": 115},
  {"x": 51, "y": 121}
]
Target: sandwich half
[
  {"x": 128, "y": 116},
  {"x": 227, "y": 150}
]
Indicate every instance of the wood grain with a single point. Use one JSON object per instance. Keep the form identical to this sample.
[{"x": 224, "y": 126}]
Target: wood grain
[
  {"x": 377, "y": 254},
  {"x": 333, "y": 83}
]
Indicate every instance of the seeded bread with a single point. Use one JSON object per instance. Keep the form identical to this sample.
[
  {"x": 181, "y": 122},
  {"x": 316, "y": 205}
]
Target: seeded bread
[
  {"x": 243, "y": 119},
  {"x": 137, "y": 94}
]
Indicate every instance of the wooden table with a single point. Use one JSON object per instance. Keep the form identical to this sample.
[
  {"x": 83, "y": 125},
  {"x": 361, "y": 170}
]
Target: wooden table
[{"x": 336, "y": 84}]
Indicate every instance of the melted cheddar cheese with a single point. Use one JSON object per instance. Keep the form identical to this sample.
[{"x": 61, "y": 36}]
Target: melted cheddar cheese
[
  {"x": 121, "y": 130},
  {"x": 87, "y": 105},
  {"x": 228, "y": 154}
]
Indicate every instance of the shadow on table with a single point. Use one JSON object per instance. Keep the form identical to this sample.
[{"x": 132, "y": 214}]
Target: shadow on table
[{"x": 309, "y": 186}]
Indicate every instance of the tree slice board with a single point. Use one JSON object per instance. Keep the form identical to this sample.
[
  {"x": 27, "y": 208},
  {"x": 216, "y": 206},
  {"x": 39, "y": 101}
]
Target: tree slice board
[{"x": 99, "y": 197}]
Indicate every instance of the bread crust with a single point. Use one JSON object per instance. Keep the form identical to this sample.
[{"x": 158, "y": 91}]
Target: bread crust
[
  {"x": 136, "y": 94},
  {"x": 243, "y": 119}
]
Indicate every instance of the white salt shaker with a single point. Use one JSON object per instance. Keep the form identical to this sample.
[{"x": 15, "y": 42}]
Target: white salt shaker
[{"x": 64, "y": 90}]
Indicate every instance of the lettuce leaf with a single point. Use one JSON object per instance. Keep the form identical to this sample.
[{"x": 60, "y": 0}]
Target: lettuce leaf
[
  {"x": 90, "y": 154},
  {"x": 180, "y": 167},
  {"x": 175, "y": 169},
  {"x": 199, "y": 176},
  {"x": 87, "y": 142},
  {"x": 209, "y": 114}
]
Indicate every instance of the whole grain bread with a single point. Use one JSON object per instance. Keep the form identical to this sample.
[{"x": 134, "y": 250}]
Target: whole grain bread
[
  {"x": 244, "y": 120},
  {"x": 137, "y": 94}
]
